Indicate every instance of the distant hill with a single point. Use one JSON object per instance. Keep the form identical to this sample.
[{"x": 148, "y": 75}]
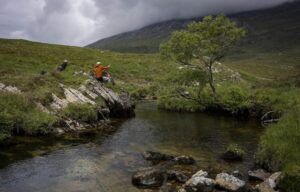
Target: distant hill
[{"x": 272, "y": 29}]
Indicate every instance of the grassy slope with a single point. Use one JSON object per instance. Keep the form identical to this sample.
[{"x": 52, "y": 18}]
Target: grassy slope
[{"x": 22, "y": 61}]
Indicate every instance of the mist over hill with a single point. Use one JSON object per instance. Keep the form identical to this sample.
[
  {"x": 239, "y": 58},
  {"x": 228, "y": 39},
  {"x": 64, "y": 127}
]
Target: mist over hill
[{"x": 273, "y": 29}]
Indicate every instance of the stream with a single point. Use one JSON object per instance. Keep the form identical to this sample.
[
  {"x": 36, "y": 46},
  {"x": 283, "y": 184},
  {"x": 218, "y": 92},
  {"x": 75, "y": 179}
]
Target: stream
[{"x": 106, "y": 162}]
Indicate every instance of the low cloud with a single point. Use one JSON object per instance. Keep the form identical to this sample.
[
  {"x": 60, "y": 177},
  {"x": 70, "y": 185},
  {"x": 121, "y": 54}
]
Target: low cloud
[{"x": 79, "y": 22}]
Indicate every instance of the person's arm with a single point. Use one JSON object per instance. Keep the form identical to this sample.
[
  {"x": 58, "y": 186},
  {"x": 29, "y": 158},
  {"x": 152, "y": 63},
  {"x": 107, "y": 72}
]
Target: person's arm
[{"x": 106, "y": 68}]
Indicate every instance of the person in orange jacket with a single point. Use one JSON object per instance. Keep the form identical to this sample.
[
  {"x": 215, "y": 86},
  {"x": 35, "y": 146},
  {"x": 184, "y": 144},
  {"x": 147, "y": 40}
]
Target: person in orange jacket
[{"x": 100, "y": 73}]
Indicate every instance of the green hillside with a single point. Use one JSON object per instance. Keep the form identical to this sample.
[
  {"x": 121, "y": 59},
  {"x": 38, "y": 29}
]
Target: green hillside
[{"x": 271, "y": 30}]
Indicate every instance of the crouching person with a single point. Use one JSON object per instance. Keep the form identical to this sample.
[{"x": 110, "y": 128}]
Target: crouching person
[{"x": 101, "y": 73}]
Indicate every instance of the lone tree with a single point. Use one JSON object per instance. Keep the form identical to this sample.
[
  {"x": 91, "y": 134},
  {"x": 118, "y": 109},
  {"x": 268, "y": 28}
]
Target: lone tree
[{"x": 203, "y": 43}]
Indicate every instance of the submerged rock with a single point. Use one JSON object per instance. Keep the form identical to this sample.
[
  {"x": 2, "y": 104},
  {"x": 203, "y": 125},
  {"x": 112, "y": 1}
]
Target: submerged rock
[
  {"x": 177, "y": 176},
  {"x": 148, "y": 178},
  {"x": 232, "y": 156},
  {"x": 229, "y": 182},
  {"x": 156, "y": 156},
  {"x": 184, "y": 160},
  {"x": 233, "y": 153},
  {"x": 258, "y": 174},
  {"x": 199, "y": 182}
]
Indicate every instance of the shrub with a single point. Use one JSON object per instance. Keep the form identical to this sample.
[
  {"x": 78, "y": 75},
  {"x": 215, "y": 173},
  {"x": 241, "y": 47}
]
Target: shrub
[
  {"x": 140, "y": 93},
  {"x": 37, "y": 122},
  {"x": 85, "y": 113},
  {"x": 291, "y": 180},
  {"x": 234, "y": 99}
]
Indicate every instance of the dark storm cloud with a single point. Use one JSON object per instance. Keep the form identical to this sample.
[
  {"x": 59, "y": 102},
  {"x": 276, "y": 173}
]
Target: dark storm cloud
[{"x": 77, "y": 22}]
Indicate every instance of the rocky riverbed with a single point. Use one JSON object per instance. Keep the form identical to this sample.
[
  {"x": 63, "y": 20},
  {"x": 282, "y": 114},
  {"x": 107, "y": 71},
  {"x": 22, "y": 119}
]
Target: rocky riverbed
[{"x": 164, "y": 176}]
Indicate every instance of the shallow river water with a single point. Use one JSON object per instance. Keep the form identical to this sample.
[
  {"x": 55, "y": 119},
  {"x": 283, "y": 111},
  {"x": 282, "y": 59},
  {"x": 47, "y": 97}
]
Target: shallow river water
[{"x": 105, "y": 163}]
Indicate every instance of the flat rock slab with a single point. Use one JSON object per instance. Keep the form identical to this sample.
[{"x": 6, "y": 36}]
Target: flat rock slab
[{"x": 259, "y": 174}]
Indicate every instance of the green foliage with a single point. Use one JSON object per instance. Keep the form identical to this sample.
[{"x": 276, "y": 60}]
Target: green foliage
[
  {"x": 207, "y": 41},
  {"x": 180, "y": 47},
  {"x": 280, "y": 144},
  {"x": 20, "y": 115},
  {"x": 236, "y": 149},
  {"x": 85, "y": 113},
  {"x": 215, "y": 36},
  {"x": 291, "y": 180},
  {"x": 234, "y": 98},
  {"x": 178, "y": 104}
]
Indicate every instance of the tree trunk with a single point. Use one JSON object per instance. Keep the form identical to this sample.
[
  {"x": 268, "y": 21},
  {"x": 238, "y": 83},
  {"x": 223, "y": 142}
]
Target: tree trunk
[{"x": 211, "y": 81}]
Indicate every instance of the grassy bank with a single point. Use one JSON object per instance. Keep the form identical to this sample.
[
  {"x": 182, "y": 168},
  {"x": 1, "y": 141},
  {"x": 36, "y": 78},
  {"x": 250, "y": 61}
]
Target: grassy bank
[
  {"x": 20, "y": 116},
  {"x": 279, "y": 148}
]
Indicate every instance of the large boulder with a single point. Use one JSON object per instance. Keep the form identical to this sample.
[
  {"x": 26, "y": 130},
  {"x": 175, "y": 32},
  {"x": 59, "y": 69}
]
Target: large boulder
[
  {"x": 229, "y": 182},
  {"x": 199, "y": 182},
  {"x": 156, "y": 156},
  {"x": 148, "y": 178},
  {"x": 258, "y": 174}
]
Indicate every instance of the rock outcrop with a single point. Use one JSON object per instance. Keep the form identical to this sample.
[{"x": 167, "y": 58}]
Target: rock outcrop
[
  {"x": 118, "y": 106},
  {"x": 9, "y": 88}
]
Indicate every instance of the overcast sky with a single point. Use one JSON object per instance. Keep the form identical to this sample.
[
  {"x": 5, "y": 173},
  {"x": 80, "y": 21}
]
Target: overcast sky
[{"x": 79, "y": 22}]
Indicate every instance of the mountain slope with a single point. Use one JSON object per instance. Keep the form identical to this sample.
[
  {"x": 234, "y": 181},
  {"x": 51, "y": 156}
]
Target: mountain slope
[{"x": 275, "y": 28}]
